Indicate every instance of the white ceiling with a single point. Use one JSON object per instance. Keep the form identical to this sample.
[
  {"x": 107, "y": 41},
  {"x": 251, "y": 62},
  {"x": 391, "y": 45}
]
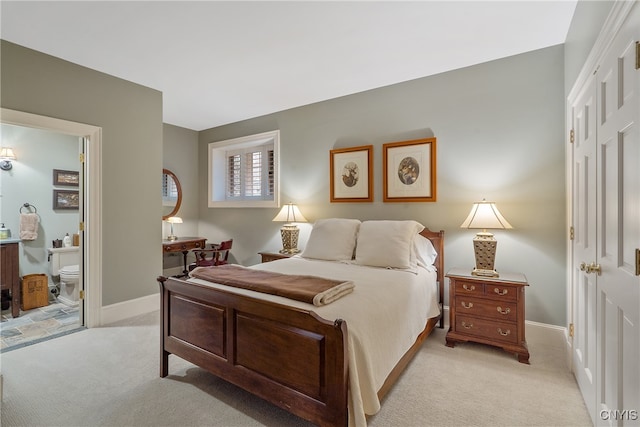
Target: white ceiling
[{"x": 221, "y": 62}]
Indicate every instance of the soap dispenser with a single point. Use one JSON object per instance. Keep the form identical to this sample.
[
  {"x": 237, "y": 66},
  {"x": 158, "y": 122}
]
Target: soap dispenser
[
  {"x": 5, "y": 233},
  {"x": 66, "y": 241}
]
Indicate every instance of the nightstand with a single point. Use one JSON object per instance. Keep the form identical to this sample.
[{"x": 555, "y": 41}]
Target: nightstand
[
  {"x": 272, "y": 256},
  {"x": 487, "y": 310}
]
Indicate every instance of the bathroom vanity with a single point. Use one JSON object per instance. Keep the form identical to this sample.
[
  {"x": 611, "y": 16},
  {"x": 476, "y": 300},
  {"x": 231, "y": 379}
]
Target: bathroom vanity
[{"x": 10, "y": 272}]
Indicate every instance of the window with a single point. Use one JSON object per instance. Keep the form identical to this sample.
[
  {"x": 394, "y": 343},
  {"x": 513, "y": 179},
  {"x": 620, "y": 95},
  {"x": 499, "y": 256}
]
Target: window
[{"x": 243, "y": 172}]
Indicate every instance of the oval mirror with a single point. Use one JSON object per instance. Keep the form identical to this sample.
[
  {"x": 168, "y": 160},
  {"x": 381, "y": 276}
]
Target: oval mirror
[{"x": 171, "y": 194}]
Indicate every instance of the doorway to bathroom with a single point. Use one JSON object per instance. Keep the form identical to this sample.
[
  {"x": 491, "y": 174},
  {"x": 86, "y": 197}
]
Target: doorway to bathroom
[{"x": 78, "y": 204}]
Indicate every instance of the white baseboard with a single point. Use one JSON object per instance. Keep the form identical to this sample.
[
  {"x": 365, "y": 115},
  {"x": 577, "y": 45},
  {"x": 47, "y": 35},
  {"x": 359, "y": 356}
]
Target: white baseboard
[
  {"x": 544, "y": 333},
  {"x": 126, "y": 309}
]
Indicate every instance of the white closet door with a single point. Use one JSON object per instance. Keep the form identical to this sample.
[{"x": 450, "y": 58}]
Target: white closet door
[
  {"x": 618, "y": 230},
  {"x": 583, "y": 113}
]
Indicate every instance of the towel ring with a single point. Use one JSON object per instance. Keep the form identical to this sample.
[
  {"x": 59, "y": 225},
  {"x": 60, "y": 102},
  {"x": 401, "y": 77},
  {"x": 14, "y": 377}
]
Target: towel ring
[{"x": 29, "y": 206}]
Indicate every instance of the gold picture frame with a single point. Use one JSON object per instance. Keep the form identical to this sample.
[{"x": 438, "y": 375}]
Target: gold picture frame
[
  {"x": 351, "y": 174},
  {"x": 409, "y": 171}
]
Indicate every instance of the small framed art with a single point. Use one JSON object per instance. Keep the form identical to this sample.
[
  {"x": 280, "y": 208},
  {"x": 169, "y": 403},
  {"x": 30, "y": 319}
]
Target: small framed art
[
  {"x": 351, "y": 172},
  {"x": 409, "y": 171},
  {"x": 66, "y": 178},
  {"x": 66, "y": 199}
]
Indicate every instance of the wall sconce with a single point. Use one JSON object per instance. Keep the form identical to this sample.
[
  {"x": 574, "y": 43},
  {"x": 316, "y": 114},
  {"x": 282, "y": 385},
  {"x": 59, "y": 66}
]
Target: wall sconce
[
  {"x": 289, "y": 232},
  {"x": 485, "y": 215},
  {"x": 6, "y": 156},
  {"x": 173, "y": 220}
]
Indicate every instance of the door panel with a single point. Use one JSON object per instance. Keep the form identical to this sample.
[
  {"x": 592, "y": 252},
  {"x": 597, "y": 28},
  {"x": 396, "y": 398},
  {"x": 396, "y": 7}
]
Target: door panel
[
  {"x": 584, "y": 243},
  {"x": 618, "y": 231}
]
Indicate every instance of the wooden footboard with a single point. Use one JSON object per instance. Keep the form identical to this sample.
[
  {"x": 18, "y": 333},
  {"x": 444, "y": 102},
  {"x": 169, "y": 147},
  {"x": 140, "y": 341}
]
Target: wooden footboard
[{"x": 287, "y": 356}]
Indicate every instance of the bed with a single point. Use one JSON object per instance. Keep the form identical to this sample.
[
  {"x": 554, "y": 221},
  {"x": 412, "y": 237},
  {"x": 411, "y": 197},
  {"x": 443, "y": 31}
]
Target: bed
[{"x": 328, "y": 364}]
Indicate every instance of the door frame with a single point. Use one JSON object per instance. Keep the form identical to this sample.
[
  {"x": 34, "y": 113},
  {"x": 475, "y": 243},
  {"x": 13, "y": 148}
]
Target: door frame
[{"x": 92, "y": 195}]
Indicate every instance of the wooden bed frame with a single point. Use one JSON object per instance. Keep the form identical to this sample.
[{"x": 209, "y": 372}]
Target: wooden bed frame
[{"x": 287, "y": 356}]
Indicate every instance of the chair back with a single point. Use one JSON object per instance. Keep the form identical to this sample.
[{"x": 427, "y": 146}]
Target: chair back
[
  {"x": 217, "y": 255},
  {"x": 222, "y": 256}
]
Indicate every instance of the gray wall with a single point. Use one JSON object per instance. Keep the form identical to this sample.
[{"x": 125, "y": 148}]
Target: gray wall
[
  {"x": 130, "y": 116},
  {"x": 500, "y": 136},
  {"x": 180, "y": 157},
  {"x": 500, "y": 132}
]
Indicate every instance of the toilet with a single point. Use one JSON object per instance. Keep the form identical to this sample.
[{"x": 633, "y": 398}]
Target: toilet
[{"x": 64, "y": 267}]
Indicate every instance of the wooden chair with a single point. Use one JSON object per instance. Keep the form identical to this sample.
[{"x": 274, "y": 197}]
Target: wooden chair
[{"x": 218, "y": 254}]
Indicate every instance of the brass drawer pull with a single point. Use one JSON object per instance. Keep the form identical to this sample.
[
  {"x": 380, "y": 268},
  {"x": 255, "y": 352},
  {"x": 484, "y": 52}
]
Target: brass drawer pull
[
  {"x": 500, "y": 292},
  {"x": 505, "y": 333},
  {"x": 467, "y": 325},
  {"x": 466, "y": 305},
  {"x": 505, "y": 311},
  {"x": 468, "y": 288}
]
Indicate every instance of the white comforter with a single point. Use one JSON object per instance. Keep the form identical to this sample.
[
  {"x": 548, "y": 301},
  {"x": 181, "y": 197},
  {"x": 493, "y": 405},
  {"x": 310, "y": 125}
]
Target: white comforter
[{"x": 385, "y": 314}]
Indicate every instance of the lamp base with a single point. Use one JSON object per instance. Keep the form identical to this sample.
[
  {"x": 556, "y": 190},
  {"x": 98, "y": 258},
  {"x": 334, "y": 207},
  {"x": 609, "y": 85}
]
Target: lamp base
[
  {"x": 289, "y": 251},
  {"x": 172, "y": 238},
  {"x": 484, "y": 246},
  {"x": 289, "y": 234},
  {"x": 484, "y": 273}
]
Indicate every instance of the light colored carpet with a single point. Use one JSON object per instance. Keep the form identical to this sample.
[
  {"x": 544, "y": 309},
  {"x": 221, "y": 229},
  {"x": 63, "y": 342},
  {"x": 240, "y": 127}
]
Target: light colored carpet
[{"x": 109, "y": 376}]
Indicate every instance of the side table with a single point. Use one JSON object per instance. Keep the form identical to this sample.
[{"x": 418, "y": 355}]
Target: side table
[
  {"x": 488, "y": 310},
  {"x": 272, "y": 256}
]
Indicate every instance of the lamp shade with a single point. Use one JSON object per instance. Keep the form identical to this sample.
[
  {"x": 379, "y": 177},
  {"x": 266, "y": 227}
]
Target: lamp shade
[
  {"x": 485, "y": 215},
  {"x": 6, "y": 153},
  {"x": 289, "y": 213}
]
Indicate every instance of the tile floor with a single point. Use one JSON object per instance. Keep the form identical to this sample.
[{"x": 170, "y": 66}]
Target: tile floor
[{"x": 37, "y": 325}]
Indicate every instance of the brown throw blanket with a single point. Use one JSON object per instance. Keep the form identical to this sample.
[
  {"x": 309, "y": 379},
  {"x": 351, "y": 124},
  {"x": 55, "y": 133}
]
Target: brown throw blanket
[{"x": 310, "y": 289}]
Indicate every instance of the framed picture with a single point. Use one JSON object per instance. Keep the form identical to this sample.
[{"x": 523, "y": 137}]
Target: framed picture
[
  {"x": 351, "y": 171},
  {"x": 62, "y": 177},
  {"x": 409, "y": 169},
  {"x": 66, "y": 199}
]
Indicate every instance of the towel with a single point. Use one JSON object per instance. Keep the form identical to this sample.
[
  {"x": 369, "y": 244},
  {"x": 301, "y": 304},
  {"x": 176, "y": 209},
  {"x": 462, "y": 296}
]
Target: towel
[{"x": 29, "y": 226}]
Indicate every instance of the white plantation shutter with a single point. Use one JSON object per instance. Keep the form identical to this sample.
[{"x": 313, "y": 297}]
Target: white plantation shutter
[
  {"x": 169, "y": 188},
  {"x": 234, "y": 174},
  {"x": 250, "y": 173}
]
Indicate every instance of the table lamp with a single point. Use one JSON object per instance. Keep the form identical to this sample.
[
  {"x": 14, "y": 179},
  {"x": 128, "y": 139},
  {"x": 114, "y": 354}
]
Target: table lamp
[
  {"x": 173, "y": 220},
  {"x": 485, "y": 215},
  {"x": 289, "y": 232}
]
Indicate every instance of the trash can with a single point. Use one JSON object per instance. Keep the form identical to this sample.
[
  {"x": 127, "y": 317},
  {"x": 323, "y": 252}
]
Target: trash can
[{"x": 35, "y": 291}]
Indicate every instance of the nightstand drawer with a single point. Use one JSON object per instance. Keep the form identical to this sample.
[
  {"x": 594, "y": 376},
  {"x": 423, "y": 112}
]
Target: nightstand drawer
[
  {"x": 273, "y": 256},
  {"x": 499, "y": 310},
  {"x": 469, "y": 288},
  {"x": 489, "y": 329},
  {"x": 501, "y": 291}
]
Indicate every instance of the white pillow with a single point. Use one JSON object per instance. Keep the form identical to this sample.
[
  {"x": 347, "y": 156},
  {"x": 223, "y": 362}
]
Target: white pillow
[
  {"x": 424, "y": 251},
  {"x": 387, "y": 243},
  {"x": 332, "y": 239}
]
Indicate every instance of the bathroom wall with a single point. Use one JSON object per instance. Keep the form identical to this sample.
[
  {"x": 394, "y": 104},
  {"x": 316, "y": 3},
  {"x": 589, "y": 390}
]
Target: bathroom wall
[{"x": 30, "y": 181}]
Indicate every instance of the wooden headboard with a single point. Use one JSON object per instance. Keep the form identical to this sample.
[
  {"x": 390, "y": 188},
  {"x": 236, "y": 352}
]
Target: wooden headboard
[{"x": 437, "y": 239}]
